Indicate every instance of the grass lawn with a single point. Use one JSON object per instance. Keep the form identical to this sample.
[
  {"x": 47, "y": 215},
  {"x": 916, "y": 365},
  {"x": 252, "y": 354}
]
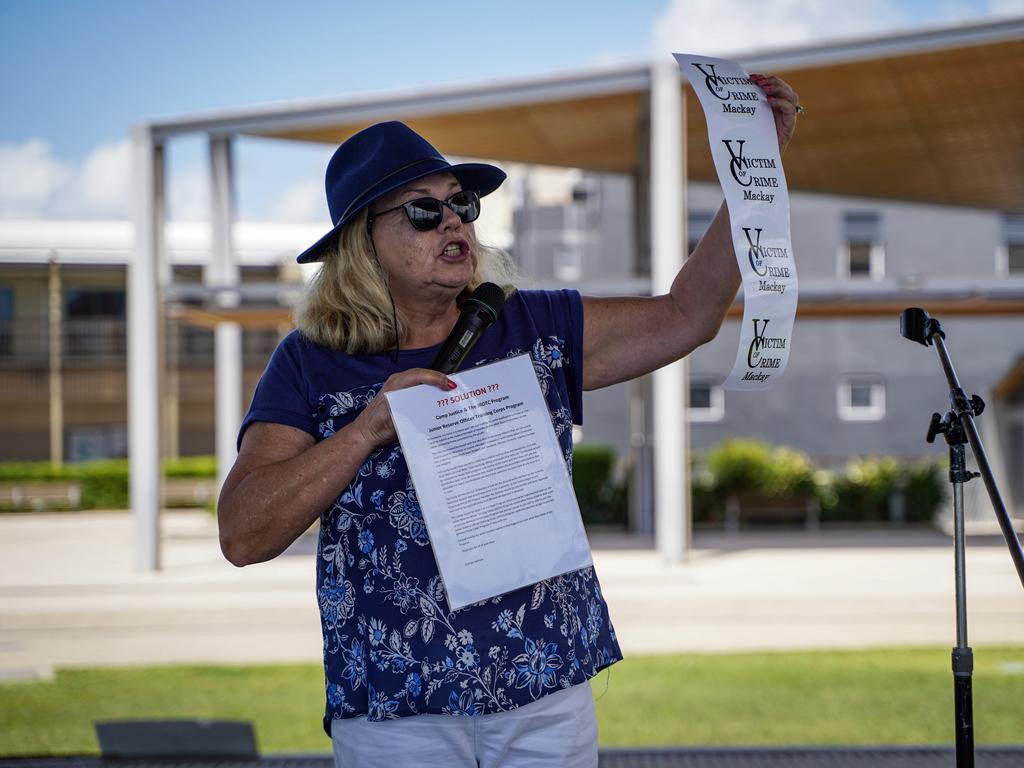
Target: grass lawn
[{"x": 870, "y": 697}]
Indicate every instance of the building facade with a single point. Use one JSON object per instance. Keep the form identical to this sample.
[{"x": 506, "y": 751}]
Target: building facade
[
  {"x": 63, "y": 334},
  {"x": 854, "y": 386}
]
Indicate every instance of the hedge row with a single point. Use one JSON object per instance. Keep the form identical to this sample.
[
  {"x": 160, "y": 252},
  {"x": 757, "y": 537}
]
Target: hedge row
[
  {"x": 103, "y": 484},
  {"x": 867, "y": 490},
  {"x": 190, "y": 466},
  {"x": 603, "y": 498},
  {"x": 876, "y": 489},
  {"x": 872, "y": 489}
]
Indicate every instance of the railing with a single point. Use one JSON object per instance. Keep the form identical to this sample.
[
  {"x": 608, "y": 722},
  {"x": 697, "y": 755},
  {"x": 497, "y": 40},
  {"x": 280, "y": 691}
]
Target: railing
[
  {"x": 25, "y": 342},
  {"x": 97, "y": 340}
]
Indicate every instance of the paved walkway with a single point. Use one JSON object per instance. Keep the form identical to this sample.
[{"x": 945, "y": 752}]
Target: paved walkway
[{"x": 69, "y": 594}]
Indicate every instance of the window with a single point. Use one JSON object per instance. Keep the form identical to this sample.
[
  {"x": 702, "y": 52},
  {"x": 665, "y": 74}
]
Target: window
[
  {"x": 1010, "y": 259},
  {"x": 861, "y": 398},
  {"x": 862, "y": 254},
  {"x": 91, "y": 302},
  {"x": 707, "y": 400},
  {"x": 97, "y": 442},
  {"x": 586, "y": 193},
  {"x": 195, "y": 346},
  {"x": 6, "y": 321},
  {"x": 697, "y": 223},
  {"x": 95, "y": 323}
]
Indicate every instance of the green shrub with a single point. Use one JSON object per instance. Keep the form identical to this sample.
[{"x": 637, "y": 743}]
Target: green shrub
[
  {"x": 924, "y": 490},
  {"x": 602, "y": 500},
  {"x": 708, "y": 506},
  {"x": 752, "y": 466},
  {"x": 871, "y": 488},
  {"x": 792, "y": 473},
  {"x": 863, "y": 491},
  {"x": 32, "y": 470},
  {"x": 191, "y": 466},
  {"x": 739, "y": 466},
  {"x": 103, "y": 484}
]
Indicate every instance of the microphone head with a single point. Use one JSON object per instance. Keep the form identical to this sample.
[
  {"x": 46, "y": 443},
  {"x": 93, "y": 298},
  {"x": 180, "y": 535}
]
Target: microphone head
[
  {"x": 489, "y": 297},
  {"x": 913, "y": 321},
  {"x": 917, "y": 325}
]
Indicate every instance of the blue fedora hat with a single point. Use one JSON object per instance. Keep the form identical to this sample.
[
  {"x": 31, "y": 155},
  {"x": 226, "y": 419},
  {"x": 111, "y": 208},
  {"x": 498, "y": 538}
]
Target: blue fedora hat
[{"x": 380, "y": 159}]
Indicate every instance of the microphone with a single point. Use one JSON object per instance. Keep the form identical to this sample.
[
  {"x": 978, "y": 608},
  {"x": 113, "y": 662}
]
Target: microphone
[{"x": 479, "y": 311}]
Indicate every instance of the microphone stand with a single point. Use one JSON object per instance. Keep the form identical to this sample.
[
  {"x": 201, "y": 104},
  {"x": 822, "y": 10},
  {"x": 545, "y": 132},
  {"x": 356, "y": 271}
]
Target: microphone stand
[{"x": 958, "y": 428}]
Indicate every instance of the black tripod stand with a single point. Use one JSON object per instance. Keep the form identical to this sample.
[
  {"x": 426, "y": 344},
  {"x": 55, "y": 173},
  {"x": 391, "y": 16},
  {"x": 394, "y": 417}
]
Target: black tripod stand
[{"x": 958, "y": 428}]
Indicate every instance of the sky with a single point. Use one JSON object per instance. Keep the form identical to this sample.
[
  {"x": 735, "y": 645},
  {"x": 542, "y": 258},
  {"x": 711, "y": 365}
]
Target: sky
[{"x": 76, "y": 75}]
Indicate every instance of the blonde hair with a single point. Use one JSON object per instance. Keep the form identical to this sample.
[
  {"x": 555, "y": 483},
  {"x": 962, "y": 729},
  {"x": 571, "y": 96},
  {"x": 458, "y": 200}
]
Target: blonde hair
[{"x": 347, "y": 305}]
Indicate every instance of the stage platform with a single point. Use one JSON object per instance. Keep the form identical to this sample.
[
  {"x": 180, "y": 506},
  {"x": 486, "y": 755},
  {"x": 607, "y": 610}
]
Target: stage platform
[{"x": 776, "y": 757}]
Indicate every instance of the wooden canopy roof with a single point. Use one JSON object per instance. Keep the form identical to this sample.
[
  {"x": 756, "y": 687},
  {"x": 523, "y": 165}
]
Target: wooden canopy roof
[{"x": 934, "y": 117}]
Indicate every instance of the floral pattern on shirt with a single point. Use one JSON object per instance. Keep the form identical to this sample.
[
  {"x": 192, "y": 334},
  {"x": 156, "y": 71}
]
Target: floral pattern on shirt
[{"x": 392, "y": 645}]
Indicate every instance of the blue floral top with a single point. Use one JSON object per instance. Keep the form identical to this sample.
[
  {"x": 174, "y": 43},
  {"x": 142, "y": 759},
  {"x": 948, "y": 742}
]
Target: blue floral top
[{"x": 392, "y": 646}]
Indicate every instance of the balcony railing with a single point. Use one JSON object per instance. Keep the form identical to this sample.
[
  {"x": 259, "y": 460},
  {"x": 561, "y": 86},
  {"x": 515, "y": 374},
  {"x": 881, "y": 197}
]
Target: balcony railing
[{"x": 102, "y": 342}]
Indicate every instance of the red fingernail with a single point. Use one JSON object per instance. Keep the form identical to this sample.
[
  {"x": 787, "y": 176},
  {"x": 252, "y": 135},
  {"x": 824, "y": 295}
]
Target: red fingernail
[{"x": 451, "y": 384}]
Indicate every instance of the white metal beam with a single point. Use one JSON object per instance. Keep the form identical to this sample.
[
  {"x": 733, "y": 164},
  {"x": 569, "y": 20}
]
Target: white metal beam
[
  {"x": 144, "y": 314},
  {"x": 222, "y": 274},
  {"x": 409, "y": 102},
  {"x": 372, "y": 107},
  {"x": 670, "y": 384}
]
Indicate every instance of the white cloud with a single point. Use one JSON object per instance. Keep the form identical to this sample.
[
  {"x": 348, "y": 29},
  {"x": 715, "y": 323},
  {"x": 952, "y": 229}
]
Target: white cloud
[
  {"x": 954, "y": 11},
  {"x": 610, "y": 60},
  {"x": 739, "y": 26},
  {"x": 303, "y": 200},
  {"x": 36, "y": 184},
  {"x": 188, "y": 194},
  {"x": 101, "y": 186},
  {"x": 1007, "y": 7},
  {"x": 30, "y": 177}
]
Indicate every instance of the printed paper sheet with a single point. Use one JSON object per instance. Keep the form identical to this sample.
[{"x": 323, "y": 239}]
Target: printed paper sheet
[{"x": 491, "y": 480}]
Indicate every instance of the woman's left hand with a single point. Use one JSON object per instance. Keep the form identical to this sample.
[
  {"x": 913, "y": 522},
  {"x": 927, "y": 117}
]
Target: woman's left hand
[{"x": 784, "y": 102}]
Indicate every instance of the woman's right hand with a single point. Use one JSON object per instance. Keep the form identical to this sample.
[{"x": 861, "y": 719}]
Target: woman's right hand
[{"x": 375, "y": 424}]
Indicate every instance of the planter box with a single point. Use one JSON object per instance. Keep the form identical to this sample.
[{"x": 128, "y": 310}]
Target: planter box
[{"x": 754, "y": 508}]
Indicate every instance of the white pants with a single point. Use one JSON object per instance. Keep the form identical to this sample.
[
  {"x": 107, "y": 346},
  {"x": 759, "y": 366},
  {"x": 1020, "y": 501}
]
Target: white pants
[{"x": 558, "y": 730}]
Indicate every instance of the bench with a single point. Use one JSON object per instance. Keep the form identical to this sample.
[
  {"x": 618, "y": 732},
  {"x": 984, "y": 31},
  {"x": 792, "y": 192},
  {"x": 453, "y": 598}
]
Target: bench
[
  {"x": 752, "y": 508},
  {"x": 188, "y": 491},
  {"x": 40, "y": 495}
]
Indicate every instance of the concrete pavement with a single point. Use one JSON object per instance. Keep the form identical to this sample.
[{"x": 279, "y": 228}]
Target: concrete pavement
[{"x": 70, "y": 596}]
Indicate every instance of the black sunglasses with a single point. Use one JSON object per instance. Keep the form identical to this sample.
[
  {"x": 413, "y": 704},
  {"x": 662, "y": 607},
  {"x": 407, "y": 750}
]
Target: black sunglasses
[{"x": 425, "y": 213}]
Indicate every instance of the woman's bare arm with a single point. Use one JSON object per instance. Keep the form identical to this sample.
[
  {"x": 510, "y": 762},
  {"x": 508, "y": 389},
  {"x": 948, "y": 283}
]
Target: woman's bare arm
[{"x": 283, "y": 479}]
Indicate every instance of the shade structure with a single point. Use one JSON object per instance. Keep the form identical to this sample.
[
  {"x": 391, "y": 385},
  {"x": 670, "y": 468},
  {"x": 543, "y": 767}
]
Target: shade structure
[{"x": 932, "y": 117}]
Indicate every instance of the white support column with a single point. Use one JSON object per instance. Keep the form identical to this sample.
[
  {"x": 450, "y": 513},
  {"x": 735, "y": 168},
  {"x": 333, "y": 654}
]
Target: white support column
[
  {"x": 144, "y": 314},
  {"x": 670, "y": 384},
  {"x": 222, "y": 274},
  {"x": 55, "y": 317},
  {"x": 228, "y": 394}
]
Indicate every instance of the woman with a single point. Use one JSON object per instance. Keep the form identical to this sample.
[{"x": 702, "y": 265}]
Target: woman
[{"x": 318, "y": 442}]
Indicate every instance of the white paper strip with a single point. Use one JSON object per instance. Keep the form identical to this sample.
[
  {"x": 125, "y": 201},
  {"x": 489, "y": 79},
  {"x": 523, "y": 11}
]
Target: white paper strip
[{"x": 741, "y": 131}]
